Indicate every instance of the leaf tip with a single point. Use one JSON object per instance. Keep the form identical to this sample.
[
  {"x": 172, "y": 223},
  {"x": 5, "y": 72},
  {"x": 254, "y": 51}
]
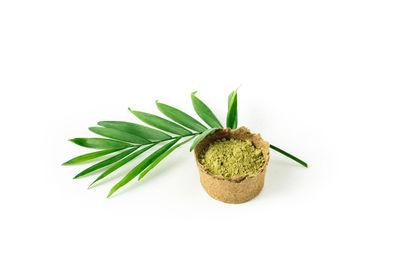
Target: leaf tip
[
  {"x": 133, "y": 111},
  {"x": 194, "y": 93},
  {"x": 92, "y": 129},
  {"x": 82, "y": 173}
]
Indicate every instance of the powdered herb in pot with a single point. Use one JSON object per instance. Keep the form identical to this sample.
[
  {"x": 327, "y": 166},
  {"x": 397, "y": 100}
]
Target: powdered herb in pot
[{"x": 231, "y": 157}]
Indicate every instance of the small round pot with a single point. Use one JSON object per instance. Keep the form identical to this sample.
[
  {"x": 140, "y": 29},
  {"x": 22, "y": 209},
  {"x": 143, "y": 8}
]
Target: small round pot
[{"x": 233, "y": 189}]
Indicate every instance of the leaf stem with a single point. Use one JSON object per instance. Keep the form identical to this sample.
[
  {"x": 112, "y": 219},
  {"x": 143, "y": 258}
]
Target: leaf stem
[
  {"x": 175, "y": 137},
  {"x": 288, "y": 155}
]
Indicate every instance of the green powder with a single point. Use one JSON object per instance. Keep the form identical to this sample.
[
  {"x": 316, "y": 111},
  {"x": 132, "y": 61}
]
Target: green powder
[{"x": 230, "y": 158}]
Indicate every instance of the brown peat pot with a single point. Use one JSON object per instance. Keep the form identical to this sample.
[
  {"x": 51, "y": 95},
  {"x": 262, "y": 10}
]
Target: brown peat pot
[{"x": 233, "y": 189}]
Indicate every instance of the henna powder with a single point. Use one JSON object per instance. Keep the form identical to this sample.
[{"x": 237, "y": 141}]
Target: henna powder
[{"x": 231, "y": 157}]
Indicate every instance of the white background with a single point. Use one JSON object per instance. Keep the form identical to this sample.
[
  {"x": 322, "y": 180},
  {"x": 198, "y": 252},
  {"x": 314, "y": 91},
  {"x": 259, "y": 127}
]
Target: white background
[{"x": 318, "y": 78}]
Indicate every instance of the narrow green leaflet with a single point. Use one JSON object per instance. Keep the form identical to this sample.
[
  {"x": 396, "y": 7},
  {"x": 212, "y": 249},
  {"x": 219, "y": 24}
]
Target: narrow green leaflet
[
  {"x": 201, "y": 137},
  {"x": 160, "y": 123},
  {"x": 121, "y": 163},
  {"x": 289, "y": 155},
  {"x": 119, "y": 135},
  {"x": 136, "y": 129},
  {"x": 181, "y": 117},
  {"x": 161, "y": 157},
  {"x": 99, "y": 143},
  {"x": 141, "y": 166},
  {"x": 106, "y": 162},
  {"x": 230, "y": 97},
  {"x": 205, "y": 112},
  {"x": 90, "y": 156},
  {"x": 231, "y": 118}
]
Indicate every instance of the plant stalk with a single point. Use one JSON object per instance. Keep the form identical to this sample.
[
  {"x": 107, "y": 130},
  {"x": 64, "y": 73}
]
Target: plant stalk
[
  {"x": 174, "y": 137},
  {"x": 288, "y": 155}
]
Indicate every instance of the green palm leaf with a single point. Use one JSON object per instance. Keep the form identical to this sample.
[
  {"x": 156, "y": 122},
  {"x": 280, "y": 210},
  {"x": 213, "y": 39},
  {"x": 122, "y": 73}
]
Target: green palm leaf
[
  {"x": 119, "y": 135},
  {"x": 123, "y": 135},
  {"x": 99, "y": 143},
  {"x": 90, "y": 156},
  {"x": 232, "y": 117},
  {"x": 205, "y": 112},
  {"x": 121, "y": 163},
  {"x": 106, "y": 162},
  {"x": 160, "y": 123},
  {"x": 181, "y": 117},
  {"x": 141, "y": 166},
  {"x": 136, "y": 129},
  {"x": 161, "y": 157},
  {"x": 201, "y": 137}
]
